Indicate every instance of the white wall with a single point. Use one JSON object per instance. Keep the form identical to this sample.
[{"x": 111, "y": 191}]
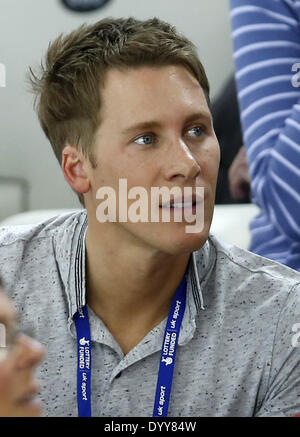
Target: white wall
[{"x": 27, "y": 26}]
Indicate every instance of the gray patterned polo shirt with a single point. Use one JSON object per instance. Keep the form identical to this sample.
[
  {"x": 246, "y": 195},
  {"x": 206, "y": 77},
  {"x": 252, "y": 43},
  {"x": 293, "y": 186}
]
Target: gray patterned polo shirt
[{"x": 240, "y": 356}]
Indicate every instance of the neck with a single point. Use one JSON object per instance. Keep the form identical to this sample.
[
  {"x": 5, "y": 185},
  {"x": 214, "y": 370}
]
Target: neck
[{"x": 130, "y": 287}]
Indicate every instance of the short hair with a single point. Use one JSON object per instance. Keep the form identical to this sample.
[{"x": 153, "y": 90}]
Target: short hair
[{"x": 67, "y": 87}]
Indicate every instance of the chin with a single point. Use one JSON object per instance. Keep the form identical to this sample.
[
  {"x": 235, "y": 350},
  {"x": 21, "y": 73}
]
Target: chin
[
  {"x": 170, "y": 238},
  {"x": 179, "y": 243}
]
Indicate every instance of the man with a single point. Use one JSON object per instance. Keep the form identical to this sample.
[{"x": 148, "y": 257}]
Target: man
[{"x": 129, "y": 100}]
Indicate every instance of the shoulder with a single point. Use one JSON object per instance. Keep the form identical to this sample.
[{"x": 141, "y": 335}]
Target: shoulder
[
  {"x": 23, "y": 247},
  {"x": 26, "y": 234},
  {"x": 250, "y": 263},
  {"x": 252, "y": 283}
]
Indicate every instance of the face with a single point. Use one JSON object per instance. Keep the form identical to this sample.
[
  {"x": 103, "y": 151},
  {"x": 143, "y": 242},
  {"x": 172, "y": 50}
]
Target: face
[
  {"x": 156, "y": 131},
  {"x": 18, "y": 386}
]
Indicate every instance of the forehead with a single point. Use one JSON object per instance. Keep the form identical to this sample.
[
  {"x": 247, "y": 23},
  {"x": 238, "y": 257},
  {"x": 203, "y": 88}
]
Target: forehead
[{"x": 135, "y": 92}]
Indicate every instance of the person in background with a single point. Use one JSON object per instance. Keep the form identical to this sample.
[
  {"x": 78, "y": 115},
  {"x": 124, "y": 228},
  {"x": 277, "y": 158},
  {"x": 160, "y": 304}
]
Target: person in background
[
  {"x": 233, "y": 184},
  {"x": 266, "y": 37},
  {"x": 19, "y": 355}
]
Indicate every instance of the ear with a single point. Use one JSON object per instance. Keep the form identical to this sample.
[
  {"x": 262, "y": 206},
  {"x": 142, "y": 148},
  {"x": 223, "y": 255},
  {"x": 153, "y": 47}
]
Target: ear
[{"x": 73, "y": 167}]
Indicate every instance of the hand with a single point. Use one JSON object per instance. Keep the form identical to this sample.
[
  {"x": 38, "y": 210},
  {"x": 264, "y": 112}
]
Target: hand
[
  {"x": 238, "y": 176},
  {"x": 8, "y": 315},
  {"x": 21, "y": 355}
]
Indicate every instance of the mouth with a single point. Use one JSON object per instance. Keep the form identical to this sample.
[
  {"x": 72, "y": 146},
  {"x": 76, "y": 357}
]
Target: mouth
[
  {"x": 179, "y": 205},
  {"x": 183, "y": 203}
]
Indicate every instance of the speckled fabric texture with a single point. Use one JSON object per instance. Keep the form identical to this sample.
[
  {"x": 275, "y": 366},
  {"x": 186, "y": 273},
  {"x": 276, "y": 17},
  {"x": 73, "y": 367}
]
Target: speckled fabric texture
[{"x": 235, "y": 358}]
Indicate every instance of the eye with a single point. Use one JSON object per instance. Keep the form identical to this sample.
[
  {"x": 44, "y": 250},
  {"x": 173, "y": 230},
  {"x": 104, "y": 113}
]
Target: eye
[
  {"x": 199, "y": 131},
  {"x": 145, "y": 140}
]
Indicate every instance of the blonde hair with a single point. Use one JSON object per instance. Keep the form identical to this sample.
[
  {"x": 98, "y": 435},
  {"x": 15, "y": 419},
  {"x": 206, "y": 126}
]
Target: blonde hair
[{"x": 68, "y": 100}]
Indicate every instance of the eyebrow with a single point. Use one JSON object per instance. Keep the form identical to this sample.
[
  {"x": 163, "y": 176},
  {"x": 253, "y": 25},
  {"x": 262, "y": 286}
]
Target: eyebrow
[{"x": 156, "y": 124}]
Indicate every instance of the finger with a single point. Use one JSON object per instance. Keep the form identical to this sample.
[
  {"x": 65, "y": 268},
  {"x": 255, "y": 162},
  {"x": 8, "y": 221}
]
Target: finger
[
  {"x": 30, "y": 352},
  {"x": 8, "y": 314}
]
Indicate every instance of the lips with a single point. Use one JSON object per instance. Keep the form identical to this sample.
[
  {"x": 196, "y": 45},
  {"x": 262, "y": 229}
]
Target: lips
[{"x": 182, "y": 202}]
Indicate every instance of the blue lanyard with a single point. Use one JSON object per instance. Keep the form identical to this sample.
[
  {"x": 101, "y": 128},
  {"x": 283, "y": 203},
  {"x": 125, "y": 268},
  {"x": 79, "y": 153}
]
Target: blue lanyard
[
  {"x": 168, "y": 352},
  {"x": 84, "y": 362},
  {"x": 167, "y": 359}
]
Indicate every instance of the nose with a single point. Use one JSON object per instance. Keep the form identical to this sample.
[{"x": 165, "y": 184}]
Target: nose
[
  {"x": 181, "y": 164},
  {"x": 30, "y": 352}
]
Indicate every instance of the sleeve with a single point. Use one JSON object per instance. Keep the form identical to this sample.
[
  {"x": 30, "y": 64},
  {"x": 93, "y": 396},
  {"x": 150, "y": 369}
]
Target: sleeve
[
  {"x": 283, "y": 394},
  {"x": 266, "y": 41}
]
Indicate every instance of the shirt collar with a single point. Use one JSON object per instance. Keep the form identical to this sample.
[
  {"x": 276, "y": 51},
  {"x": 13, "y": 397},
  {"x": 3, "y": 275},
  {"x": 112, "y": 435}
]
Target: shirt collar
[
  {"x": 69, "y": 245},
  {"x": 200, "y": 267}
]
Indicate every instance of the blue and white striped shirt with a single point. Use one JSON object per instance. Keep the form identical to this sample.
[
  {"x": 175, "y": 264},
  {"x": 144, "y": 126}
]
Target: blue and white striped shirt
[{"x": 266, "y": 38}]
